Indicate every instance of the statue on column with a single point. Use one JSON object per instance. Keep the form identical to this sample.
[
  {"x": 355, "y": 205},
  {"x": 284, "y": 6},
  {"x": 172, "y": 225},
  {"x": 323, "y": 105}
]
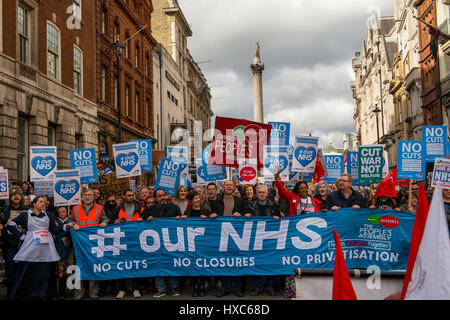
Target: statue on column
[{"x": 257, "y": 48}]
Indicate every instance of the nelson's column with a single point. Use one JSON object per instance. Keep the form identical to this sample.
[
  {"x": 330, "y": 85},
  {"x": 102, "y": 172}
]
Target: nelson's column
[{"x": 257, "y": 68}]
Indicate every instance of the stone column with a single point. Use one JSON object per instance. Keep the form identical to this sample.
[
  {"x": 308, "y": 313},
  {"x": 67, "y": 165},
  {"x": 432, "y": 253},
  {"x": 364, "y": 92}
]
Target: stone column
[{"x": 257, "y": 68}]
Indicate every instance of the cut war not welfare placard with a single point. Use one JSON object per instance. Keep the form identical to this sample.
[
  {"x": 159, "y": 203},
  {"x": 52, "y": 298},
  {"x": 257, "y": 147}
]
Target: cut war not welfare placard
[{"x": 370, "y": 164}]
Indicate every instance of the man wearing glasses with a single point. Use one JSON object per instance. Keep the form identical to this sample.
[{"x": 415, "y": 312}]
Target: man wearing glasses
[{"x": 345, "y": 196}]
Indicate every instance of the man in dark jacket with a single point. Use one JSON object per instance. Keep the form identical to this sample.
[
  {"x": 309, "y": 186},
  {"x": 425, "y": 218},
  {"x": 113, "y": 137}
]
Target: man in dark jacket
[
  {"x": 11, "y": 242},
  {"x": 264, "y": 207},
  {"x": 129, "y": 210},
  {"x": 163, "y": 209},
  {"x": 227, "y": 204},
  {"x": 345, "y": 196}
]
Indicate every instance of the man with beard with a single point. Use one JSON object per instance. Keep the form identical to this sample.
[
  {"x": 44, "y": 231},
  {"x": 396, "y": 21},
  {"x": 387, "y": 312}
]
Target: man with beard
[{"x": 163, "y": 209}]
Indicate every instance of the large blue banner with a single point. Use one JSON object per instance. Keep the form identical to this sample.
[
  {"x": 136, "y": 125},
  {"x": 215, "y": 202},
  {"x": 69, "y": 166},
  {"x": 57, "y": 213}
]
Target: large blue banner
[{"x": 231, "y": 246}]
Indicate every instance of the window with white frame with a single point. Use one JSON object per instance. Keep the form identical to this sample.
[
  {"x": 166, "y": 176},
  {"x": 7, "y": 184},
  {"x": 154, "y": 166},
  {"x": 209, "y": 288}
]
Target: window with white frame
[
  {"x": 23, "y": 31},
  {"x": 77, "y": 70},
  {"x": 52, "y": 51}
]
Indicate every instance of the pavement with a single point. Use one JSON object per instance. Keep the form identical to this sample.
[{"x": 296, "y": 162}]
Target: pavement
[{"x": 186, "y": 294}]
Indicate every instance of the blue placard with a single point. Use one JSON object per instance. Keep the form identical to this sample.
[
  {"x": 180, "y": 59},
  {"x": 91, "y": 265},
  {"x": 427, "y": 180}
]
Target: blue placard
[
  {"x": 411, "y": 160},
  {"x": 228, "y": 246},
  {"x": 279, "y": 135},
  {"x": 212, "y": 172},
  {"x": 435, "y": 138},
  {"x": 85, "y": 160},
  {"x": 145, "y": 154},
  {"x": 335, "y": 165},
  {"x": 168, "y": 177},
  {"x": 353, "y": 166}
]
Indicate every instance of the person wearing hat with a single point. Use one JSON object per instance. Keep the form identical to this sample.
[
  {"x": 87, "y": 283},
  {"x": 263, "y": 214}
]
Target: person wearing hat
[{"x": 11, "y": 242}]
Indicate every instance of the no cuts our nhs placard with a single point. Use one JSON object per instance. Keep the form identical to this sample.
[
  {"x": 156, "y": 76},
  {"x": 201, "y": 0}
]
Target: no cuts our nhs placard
[
  {"x": 126, "y": 156},
  {"x": 435, "y": 138},
  {"x": 411, "y": 160},
  {"x": 43, "y": 162},
  {"x": 335, "y": 166},
  {"x": 85, "y": 160},
  {"x": 145, "y": 154},
  {"x": 168, "y": 176},
  {"x": 279, "y": 136}
]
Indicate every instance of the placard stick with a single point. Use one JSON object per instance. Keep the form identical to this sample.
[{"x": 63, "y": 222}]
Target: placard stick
[
  {"x": 372, "y": 196},
  {"x": 43, "y": 188},
  {"x": 301, "y": 178},
  {"x": 409, "y": 193}
]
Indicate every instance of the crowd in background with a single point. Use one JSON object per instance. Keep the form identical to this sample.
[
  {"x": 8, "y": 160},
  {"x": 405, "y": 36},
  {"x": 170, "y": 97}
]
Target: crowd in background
[{"x": 42, "y": 274}]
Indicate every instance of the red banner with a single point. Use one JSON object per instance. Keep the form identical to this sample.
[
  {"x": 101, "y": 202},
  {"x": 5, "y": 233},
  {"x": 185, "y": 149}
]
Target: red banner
[{"x": 236, "y": 139}]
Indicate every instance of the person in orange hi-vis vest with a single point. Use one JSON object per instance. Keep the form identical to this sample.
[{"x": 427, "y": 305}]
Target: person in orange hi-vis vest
[
  {"x": 87, "y": 214},
  {"x": 129, "y": 210}
]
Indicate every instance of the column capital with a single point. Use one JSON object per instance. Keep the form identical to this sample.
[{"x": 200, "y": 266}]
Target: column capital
[{"x": 257, "y": 67}]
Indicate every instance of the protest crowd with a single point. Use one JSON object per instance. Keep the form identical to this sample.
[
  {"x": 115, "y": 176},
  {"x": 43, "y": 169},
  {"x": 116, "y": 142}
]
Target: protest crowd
[{"x": 46, "y": 277}]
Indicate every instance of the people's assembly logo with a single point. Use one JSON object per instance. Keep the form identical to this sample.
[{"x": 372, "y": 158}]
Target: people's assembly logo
[
  {"x": 101, "y": 247},
  {"x": 240, "y": 132},
  {"x": 386, "y": 221}
]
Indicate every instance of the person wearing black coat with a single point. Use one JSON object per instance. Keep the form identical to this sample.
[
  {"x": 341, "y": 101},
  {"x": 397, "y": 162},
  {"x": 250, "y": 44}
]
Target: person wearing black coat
[
  {"x": 10, "y": 240},
  {"x": 345, "y": 196},
  {"x": 163, "y": 209},
  {"x": 262, "y": 206}
]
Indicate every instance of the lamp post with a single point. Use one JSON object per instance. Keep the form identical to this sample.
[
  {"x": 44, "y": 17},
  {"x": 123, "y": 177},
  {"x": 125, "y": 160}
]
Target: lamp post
[
  {"x": 377, "y": 111},
  {"x": 118, "y": 46}
]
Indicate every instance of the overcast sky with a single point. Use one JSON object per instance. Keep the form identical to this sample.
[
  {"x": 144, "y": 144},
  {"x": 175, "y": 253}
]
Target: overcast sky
[{"x": 307, "y": 47}]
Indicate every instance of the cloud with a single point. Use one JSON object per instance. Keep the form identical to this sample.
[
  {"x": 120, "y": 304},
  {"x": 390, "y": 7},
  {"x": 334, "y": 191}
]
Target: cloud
[{"x": 307, "y": 47}]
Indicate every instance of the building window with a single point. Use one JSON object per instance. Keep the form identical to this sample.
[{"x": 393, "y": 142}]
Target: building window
[
  {"x": 22, "y": 149},
  {"x": 136, "y": 58},
  {"x": 127, "y": 47},
  {"x": 116, "y": 32},
  {"x": 22, "y": 20},
  {"x": 51, "y": 135},
  {"x": 137, "y": 103},
  {"x": 127, "y": 100},
  {"x": 52, "y": 51},
  {"x": 147, "y": 65},
  {"x": 78, "y": 141},
  {"x": 103, "y": 21},
  {"x": 77, "y": 70},
  {"x": 147, "y": 108},
  {"x": 103, "y": 82}
]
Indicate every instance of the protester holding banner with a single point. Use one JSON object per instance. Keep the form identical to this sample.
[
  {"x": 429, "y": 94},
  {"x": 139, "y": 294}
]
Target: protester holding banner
[
  {"x": 163, "y": 209},
  {"x": 86, "y": 214},
  {"x": 37, "y": 253},
  {"x": 181, "y": 199},
  {"x": 64, "y": 247},
  {"x": 129, "y": 209},
  {"x": 321, "y": 192},
  {"x": 299, "y": 200},
  {"x": 110, "y": 207},
  {"x": 11, "y": 240},
  {"x": 229, "y": 205},
  {"x": 144, "y": 192},
  {"x": 211, "y": 196},
  {"x": 410, "y": 208},
  {"x": 98, "y": 196},
  {"x": 345, "y": 196},
  {"x": 262, "y": 206}
]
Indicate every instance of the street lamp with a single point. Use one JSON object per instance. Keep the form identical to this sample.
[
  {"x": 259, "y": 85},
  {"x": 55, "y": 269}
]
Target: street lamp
[
  {"x": 118, "y": 46},
  {"x": 377, "y": 111}
]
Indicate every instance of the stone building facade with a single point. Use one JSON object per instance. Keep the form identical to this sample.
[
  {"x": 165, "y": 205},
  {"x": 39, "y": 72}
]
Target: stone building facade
[
  {"x": 130, "y": 22},
  {"x": 182, "y": 95},
  {"x": 443, "y": 21},
  {"x": 406, "y": 81},
  {"x": 47, "y": 87},
  {"x": 373, "y": 105}
]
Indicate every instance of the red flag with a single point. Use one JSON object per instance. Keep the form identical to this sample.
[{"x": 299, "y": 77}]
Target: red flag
[
  {"x": 318, "y": 173},
  {"x": 416, "y": 236},
  {"x": 386, "y": 188},
  {"x": 342, "y": 285},
  {"x": 398, "y": 182},
  {"x": 236, "y": 139}
]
